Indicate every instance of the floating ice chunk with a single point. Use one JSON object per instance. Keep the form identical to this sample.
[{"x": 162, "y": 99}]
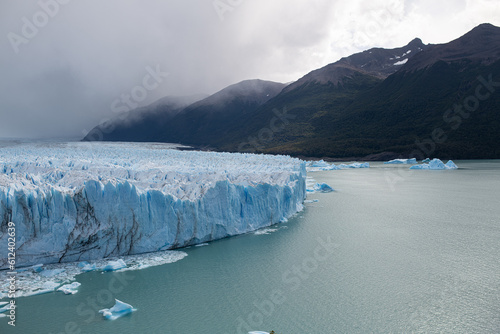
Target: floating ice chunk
[
  {"x": 201, "y": 245},
  {"x": 258, "y": 332},
  {"x": 69, "y": 289},
  {"x": 45, "y": 288},
  {"x": 436, "y": 164},
  {"x": 402, "y": 161},
  {"x": 354, "y": 165},
  {"x": 426, "y": 160},
  {"x": 118, "y": 310},
  {"x": 265, "y": 231},
  {"x": 114, "y": 265},
  {"x": 323, "y": 188},
  {"x": 320, "y": 163},
  {"x": 311, "y": 201},
  {"x": 89, "y": 267},
  {"x": 451, "y": 165}
]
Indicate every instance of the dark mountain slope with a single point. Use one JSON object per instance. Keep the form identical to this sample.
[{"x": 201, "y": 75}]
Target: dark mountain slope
[
  {"x": 142, "y": 124},
  {"x": 403, "y": 110},
  {"x": 206, "y": 121}
]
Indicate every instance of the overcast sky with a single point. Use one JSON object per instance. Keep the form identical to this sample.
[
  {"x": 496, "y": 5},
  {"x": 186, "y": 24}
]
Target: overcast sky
[{"x": 65, "y": 65}]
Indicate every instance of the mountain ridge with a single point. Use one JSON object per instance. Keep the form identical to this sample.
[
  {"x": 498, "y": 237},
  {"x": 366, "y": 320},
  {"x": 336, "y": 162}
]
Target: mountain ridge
[{"x": 368, "y": 104}]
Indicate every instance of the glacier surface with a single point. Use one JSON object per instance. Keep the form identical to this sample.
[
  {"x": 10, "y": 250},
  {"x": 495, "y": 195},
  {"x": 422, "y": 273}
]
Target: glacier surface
[{"x": 87, "y": 201}]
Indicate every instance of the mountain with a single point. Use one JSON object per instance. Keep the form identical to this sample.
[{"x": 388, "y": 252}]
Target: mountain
[
  {"x": 142, "y": 124},
  {"x": 377, "y": 62},
  {"x": 411, "y": 112},
  {"x": 481, "y": 45},
  {"x": 174, "y": 120},
  {"x": 205, "y": 122},
  {"x": 414, "y": 101}
]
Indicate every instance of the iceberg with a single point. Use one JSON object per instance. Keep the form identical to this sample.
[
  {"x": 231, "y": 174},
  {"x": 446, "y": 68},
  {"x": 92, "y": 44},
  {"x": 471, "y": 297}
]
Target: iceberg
[
  {"x": 323, "y": 188},
  {"x": 436, "y": 164},
  {"x": 69, "y": 289},
  {"x": 320, "y": 163},
  {"x": 118, "y": 310},
  {"x": 402, "y": 161},
  {"x": 314, "y": 166},
  {"x": 451, "y": 165},
  {"x": 426, "y": 160},
  {"x": 354, "y": 165},
  {"x": 114, "y": 265},
  {"x": 90, "y": 201}
]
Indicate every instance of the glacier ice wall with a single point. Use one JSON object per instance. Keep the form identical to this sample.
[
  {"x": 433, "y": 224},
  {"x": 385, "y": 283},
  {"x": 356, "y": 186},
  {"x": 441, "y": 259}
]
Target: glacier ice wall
[{"x": 86, "y": 201}]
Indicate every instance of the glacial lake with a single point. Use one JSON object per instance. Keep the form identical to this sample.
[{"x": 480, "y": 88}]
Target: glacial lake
[{"x": 390, "y": 251}]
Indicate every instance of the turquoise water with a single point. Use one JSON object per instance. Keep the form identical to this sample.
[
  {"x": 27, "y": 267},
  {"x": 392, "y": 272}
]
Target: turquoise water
[{"x": 391, "y": 251}]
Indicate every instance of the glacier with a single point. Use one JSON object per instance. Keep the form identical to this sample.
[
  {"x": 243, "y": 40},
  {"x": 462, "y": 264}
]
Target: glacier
[
  {"x": 436, "y": 164},
  {"x": 87, "y": 201}
]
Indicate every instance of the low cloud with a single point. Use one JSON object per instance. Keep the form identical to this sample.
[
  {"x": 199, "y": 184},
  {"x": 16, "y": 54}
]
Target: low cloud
[{"x": 64, "y": 62}]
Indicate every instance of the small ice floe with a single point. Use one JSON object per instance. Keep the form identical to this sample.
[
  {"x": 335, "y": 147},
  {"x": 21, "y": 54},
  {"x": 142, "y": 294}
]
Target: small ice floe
[
  {"x": 311, "y": 201},
  {"x": 46, "y": 287},
  {"x": 265, "y": 231},
  {"x": 323, "y": 188},
  {"x": 89, "y": 267},
  {"x": 354, "y": 165},
  {"x": 118, "y": 310},
  {"x": 114, "y": 265},
  {"x": 401, "y": 162},
  {"x": 4, "y": 307},
  {"x": 436, "y": 164},
  {"x": 314, "y": 166},
  {"x": 258, "y": 332},
  {"x": 201, "y": 245},
  {"x": 69, "y": 289}
]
